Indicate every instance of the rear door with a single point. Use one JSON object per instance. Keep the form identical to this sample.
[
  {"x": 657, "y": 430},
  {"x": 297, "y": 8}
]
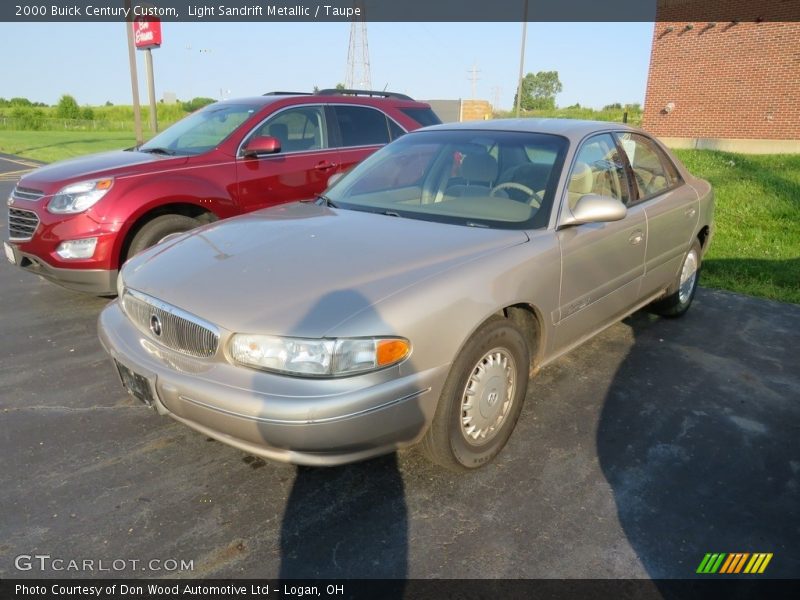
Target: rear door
[
  {"x": 671, "y": 207},
  {"x": 602, "y": 263},
  {"x": 302, "y": 167},
  {"x": 359, "y": 131}
]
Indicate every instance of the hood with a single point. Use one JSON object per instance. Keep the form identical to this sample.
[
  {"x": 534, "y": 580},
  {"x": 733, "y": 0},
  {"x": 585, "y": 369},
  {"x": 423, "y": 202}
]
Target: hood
[
  {"x": 93, "y": 165},
  {"x": 301, "y": 269}
]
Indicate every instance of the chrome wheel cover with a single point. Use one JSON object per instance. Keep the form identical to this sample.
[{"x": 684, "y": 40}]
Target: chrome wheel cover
[
  {"x": 688, "y": 276},
  {"x": 488, "y": 396}
]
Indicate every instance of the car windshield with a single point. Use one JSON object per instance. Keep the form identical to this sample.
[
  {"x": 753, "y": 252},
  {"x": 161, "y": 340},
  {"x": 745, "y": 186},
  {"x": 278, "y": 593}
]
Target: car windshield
[
  {"x": 201, "y": 131},
  {"x": 477, "y": 178}
]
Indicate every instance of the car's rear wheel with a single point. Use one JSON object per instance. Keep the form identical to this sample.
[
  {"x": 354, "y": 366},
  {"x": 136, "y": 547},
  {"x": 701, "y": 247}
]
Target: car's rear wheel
[
  {"x": 481, "y": 399},
  {"x": 681, "y": 293},
  {"x": 159, "y": 228}
]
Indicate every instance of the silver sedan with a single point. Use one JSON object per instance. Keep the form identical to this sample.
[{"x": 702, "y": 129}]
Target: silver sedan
[{"x": 415, "y": 299}]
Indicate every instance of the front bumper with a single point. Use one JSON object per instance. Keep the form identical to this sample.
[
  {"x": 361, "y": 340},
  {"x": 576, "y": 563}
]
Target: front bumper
[
  {"x": 303, "y": 421},
  {"x": 100, "y": 282},
  {"x": 38, "y": 254}
]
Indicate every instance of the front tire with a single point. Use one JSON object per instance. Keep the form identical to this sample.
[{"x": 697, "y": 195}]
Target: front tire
[
  {"x": 682, "y": 291},
  {"x": 482, "y": 398},
  {"x": 156, "y": 230}
]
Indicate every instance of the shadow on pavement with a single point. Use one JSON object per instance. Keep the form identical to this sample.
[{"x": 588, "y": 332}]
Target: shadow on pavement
[
  {"x": 346, "y": 522},
  {"x": 698, "y": 436}
]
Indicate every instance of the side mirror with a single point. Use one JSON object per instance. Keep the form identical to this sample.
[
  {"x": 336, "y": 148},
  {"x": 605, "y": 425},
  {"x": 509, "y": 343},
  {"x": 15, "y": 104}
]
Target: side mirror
[
  {"x": 593, "y": 208},
  {"x": 261, "y": 145}
]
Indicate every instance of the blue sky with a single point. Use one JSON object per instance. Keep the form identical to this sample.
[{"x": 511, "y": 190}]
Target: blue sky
[{"x": 598, "y": 63}]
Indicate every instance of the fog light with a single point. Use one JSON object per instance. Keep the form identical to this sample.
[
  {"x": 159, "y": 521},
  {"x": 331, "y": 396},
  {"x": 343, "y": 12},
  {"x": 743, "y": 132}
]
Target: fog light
[{"x": 77, "y": 248}]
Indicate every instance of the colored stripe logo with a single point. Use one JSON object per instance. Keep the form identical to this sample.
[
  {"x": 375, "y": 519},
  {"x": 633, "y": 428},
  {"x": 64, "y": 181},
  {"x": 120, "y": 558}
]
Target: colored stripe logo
[{"x": 733, "y": 563}]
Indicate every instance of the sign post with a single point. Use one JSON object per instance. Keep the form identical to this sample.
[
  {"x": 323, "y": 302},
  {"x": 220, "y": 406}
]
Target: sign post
[
  {"x": 147, "y": 35},
  {"x": 137, "y": 111}
]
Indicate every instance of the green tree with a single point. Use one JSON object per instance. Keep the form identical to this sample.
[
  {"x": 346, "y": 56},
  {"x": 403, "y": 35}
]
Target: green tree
[
  {"x": 539, "y": 90},
  {"x": 67, "y": 108},
  {"x": 340, "y": 86},
  {"x": 87, "y": 113},
  {"x": 196, "y": 103}
]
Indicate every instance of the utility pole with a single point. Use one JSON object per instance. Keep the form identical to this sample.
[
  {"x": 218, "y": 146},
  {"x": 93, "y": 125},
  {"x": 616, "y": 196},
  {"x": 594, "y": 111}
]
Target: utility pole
[
  {"x": 496, "y": 91},
  {"x": 137, "y": 111},
  {"x": 474, "y": 78},
  {"x": 522, "y": 58}
]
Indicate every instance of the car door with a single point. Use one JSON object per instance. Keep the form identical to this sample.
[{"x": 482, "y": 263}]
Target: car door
[
  {"x": 360, "y": 131},
  {"x": 671, "y": 208},
  {"x": 602, "y": 263},
  {"x": 302, "y": 167}
]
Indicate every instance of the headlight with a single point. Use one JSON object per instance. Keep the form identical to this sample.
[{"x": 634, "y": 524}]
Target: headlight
[
  {"x": 78, "y": 197},
  {"x": 317, "y": 358}
]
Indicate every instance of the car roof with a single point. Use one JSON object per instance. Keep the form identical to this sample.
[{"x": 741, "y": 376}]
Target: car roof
[
  {"x": 574, "y": 129},
  {"x": 327, "y": 98}
]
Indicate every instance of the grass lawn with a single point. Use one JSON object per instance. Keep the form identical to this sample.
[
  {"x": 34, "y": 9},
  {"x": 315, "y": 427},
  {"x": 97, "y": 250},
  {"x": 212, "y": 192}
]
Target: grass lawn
[
  {"x": 756, "y": 248},
  {"x": 50, "y": 146}
]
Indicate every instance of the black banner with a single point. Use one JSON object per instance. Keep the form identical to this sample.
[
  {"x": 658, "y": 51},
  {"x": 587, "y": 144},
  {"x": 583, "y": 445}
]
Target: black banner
[
  {"x": 400, "y": 10},
  {"x": 415, "y": 589}
]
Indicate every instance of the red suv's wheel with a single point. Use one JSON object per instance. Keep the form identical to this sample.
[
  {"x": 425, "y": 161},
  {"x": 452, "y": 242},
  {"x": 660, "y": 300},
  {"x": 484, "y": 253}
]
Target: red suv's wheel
[{"x": 159, "y": 228}]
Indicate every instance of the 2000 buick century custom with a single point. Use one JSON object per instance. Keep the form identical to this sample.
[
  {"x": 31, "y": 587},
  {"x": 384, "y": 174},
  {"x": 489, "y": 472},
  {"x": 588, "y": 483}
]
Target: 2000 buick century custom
[{"x": 412, "y": 301}]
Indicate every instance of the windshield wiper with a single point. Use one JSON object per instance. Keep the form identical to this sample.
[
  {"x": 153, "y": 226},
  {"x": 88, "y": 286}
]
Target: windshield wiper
[
  {"x": 389, "y": 213},
  {"x": 326, "y": 201},
  {"x": 165, "y": 151}
]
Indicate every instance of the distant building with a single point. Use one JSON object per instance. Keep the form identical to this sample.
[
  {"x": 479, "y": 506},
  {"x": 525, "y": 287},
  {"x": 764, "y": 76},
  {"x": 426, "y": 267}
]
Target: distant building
[
  {"x": 731, "y": 85},
  {"x": 170, "y": 98},
  {"x": 455, "y": 111}
]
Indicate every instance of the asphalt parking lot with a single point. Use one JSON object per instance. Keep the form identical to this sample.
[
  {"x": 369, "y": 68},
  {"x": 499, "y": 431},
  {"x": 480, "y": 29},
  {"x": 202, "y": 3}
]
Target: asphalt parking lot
[{"x": 635, "y": 455}]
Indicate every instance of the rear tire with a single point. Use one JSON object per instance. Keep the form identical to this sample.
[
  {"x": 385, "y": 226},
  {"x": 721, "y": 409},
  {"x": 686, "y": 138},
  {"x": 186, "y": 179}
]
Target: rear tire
[
  {"x": 156, "y": 230},
  {"x": 681, "y": 292},
  {"x": 481, "y": 399}
]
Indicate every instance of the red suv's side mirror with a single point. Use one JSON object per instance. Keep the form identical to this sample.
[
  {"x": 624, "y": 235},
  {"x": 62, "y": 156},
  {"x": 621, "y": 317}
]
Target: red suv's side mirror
[{"x": 261, "y": 145}]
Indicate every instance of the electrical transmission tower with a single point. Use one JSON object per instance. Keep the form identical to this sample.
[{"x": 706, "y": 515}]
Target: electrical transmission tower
[{"x": 358, "y": 72}]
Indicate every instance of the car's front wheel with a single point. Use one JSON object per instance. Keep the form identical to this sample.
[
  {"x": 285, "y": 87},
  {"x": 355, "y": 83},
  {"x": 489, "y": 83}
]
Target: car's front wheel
[
  {"x": 159, "y": 228},
  {"x": 481, "y": 399},
  {"x": 680, "y": 295}
]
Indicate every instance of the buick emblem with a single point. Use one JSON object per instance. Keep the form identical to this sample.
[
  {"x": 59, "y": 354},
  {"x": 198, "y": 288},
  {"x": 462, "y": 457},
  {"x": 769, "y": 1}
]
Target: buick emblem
[{"x": 155, "y": 325}]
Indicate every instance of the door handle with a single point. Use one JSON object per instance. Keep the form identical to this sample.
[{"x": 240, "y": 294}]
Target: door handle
[
  {"x": 636, "y": 238},
  {"x": 325, "y": 165},
  {"x": 690, "y": 212}
]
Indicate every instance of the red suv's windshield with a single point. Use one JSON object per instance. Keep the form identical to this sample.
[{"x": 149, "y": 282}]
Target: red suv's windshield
[{"x": 200, "y": 131}]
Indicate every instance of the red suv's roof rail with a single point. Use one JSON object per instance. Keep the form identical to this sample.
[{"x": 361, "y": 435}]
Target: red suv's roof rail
[
  {"x": 339, "y": 92},
  {"x": 288, "y": 94}
]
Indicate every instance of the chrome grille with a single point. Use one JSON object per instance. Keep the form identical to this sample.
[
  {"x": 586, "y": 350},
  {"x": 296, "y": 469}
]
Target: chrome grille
[
  {"x": 179, "y": 330},
  {"x": 21, "y": 224},
  {"x": 27, "y": 194}
]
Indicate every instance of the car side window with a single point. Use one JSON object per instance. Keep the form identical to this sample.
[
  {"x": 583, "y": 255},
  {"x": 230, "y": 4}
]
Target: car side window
[
  {"x": 653, "y": 172},
  {"x": 598, "y": 169},
  {"x": 362, "y": 126},
  {"x": 298, "y": 129}
]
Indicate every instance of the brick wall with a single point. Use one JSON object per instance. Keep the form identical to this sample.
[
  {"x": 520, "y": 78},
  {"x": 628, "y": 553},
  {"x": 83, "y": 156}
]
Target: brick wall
[
  {"x": 731, "y": 80},
  {"x": 475, "y": 110}
]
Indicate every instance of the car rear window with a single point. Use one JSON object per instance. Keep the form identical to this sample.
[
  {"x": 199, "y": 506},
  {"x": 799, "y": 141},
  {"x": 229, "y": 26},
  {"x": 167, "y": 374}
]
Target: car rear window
[{"x": 423, "y": 116}]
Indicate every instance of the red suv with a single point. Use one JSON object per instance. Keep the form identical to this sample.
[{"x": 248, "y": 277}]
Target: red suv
[{"x": 76, "y": 222}]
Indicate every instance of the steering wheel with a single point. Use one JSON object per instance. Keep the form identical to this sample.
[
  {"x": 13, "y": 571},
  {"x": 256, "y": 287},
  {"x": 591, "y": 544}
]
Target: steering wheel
[{"x": 534, "y": 199}]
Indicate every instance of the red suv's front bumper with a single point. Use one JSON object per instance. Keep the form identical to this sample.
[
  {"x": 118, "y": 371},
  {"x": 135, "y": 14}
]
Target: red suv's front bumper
[{"x": 37, "y": 253}]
